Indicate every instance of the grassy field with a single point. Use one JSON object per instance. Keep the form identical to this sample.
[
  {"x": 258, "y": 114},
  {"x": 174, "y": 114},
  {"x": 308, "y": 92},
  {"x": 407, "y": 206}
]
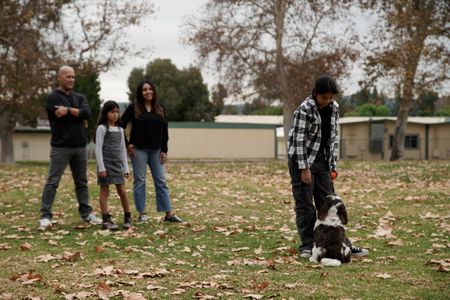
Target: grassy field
[{"x": 240, "y": 241}]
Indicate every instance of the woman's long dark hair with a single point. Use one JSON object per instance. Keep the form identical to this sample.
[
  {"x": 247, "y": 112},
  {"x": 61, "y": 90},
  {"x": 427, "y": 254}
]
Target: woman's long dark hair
[
  {"x": 103, "y": 116},
  {"x": 139, "y": 104}
]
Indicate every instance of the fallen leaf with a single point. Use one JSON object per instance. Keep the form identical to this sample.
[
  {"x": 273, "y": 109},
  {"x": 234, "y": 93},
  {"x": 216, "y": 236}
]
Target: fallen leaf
[
  {"x": 45, "y": 258},
  {"x": 260, "y": 286},
  {"x": 103, "y": 290},
  {"x": 152, "y": 287},
  {"x": 258, "y": 251},
  {"x": 383, "y": 275},
  {"x": 25, "y": 247},
  {"x": 186, "y": 250},
  {"x": 254, "y": 296}
]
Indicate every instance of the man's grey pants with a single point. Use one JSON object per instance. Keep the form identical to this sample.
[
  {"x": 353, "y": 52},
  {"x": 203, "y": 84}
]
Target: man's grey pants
[
  {"x": 305, "y": 210},
  {"x": 59, "y": 159}
]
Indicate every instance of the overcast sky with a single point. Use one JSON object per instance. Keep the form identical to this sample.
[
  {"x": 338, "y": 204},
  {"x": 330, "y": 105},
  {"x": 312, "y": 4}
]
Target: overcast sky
[
  {"x": 163, "y": 34},
  {"x": 164, "y": 38}
]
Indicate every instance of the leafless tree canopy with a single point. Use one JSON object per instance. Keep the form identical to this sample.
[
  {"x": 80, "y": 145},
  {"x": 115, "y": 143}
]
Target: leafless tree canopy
[
  {"x": 411, "y": 51},
  {"x": 273, "y": 49},
  {"x": 38, "y": 36}
]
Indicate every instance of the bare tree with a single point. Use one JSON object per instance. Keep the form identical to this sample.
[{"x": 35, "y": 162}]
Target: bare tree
[
  {"x": 273, "y": 49},
  {"x": 38, "y": 36},
  {"x": 411, "y": 52}
]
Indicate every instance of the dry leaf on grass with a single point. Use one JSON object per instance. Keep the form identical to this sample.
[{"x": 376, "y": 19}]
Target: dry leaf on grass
[
  {"x": 26, "y": 278},
  {"x": 383, "y": 275},
  {"x": 254, "y": 296},
  {"x": 103, "y": 290},
  {"x": 4, "y": 246},
  {"x": 152, "y": 287},
  {"x": 25, "y": 246}
]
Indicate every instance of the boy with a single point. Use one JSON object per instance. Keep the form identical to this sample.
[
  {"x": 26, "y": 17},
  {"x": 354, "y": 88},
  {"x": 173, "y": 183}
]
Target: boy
[{"x": 312, "y": 155}]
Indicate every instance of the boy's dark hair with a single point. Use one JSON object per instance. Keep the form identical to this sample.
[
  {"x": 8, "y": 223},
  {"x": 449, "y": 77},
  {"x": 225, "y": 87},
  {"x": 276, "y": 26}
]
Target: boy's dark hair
[
  {"x": 103, "y": 116},
  {"x": 325, "y": 84}
]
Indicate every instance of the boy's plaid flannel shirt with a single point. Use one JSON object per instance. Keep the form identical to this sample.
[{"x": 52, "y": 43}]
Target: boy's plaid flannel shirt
[{"x": 305, "y": 134}]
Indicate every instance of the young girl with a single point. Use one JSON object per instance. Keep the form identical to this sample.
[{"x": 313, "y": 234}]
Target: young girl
[{"x": 112, "y": 164}]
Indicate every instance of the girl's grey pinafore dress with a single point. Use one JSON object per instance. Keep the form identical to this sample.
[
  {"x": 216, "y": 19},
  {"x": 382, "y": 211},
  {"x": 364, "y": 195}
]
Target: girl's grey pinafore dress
[{"x": 112, "y": 159}]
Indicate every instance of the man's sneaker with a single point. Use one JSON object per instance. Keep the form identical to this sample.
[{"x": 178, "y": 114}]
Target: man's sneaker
[
  {"x": 306, "y": 253},
  {"x": 173, "y": 219},
  {"x": 356, "y": 251},
  {"x": 127, "y": 223},
  {"x": 44, "y": 223},
  {"x": 143, "y": 218},
  {"x": 91, "y": 218}
]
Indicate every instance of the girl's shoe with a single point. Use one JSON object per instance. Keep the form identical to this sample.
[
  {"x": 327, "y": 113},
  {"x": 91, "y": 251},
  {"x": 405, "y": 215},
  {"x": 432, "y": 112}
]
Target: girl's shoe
[
  {"x": 108, "y": 223},
  {"x": 127, "y": 223},
  {"x": 173, "y": 219},
  {"x": 143, "y": 218}
]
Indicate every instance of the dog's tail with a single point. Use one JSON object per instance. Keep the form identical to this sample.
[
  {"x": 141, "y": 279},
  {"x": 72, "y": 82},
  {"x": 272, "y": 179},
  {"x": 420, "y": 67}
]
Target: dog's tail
[{"x": 329, "y": 262}]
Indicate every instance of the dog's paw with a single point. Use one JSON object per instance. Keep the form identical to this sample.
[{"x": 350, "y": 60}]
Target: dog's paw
[
  {"x": 329, "y": 262},
  {"x": 313, "y": 259}
]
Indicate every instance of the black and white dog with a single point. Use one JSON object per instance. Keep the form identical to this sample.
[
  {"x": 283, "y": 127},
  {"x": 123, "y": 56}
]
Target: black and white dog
[{"x": 331, "y": 247}]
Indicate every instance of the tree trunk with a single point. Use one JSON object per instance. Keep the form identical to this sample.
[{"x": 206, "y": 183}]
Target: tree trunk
[
  {"x": 7, "y": 125},
  {"x": 6, "y": 142},
  {"x": 398, "y": 144},
  {"x": 280, "y": 10}
]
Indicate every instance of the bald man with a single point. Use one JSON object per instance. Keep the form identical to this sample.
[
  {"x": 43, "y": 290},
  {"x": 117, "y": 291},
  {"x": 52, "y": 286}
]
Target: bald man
[{"x": 68, "y": 113}]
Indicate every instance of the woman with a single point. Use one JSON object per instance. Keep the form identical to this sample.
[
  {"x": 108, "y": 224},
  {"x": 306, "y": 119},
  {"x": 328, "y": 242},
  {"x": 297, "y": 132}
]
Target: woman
[{"x": 147, "y": 145}]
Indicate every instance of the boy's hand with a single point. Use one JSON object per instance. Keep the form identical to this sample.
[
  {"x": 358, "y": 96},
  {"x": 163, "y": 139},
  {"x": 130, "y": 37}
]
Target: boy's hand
[
  {"x": 305, "y": 176},
  {"x": 102, "y": 174}
]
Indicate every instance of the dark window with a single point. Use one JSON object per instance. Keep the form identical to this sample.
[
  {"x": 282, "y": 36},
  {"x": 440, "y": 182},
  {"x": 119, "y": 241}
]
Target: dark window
[{"x": 411, "y": 141}]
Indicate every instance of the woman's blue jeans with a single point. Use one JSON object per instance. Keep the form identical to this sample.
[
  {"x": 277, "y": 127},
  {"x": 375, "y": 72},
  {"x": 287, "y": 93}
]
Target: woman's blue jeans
[{"x": 140, "y": 161}]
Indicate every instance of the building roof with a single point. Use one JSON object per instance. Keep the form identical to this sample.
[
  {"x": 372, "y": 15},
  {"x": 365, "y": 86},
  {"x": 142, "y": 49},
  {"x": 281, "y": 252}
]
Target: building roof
[
  {"x": 416, "y": 120},
  {"x": 252, "y": 119}
]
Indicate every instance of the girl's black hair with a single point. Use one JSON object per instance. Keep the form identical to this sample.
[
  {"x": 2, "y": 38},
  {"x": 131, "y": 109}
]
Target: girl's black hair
[
  {"x": 325, "y": 84},
  {"x": 103, "y": 116},
  {"x": 139, "y": 104}
]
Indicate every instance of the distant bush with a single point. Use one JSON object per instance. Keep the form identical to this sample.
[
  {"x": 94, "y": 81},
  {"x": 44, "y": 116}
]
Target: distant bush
[
  {"x": 444, "y": 112},
  {"x": 369, "y": 110},
  {"x": 268, "y": 111}
]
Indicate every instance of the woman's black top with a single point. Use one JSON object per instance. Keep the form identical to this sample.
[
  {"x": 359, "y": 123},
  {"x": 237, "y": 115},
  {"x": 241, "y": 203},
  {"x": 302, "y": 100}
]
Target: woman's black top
[{"x": 150, "y": 131}]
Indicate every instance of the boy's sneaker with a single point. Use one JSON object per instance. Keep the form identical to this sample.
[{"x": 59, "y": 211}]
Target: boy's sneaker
[
  {"x": 143, "y": 218},
  {"x": 108, "y": 223},
  {"x": 306, "y": 253},
  {"x": 127, "y": 223},
  {"x": 91, "y": 218},
  {"x": 44, "y": 223},
  {"x": 173, "y": 219},
  {"x": 356, "y": 251}
]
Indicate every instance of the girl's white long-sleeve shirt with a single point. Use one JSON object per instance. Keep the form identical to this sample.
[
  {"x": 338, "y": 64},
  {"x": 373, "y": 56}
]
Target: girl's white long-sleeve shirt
[{"x": 99, "y": 139}]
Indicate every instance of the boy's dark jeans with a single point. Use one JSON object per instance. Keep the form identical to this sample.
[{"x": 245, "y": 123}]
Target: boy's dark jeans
[{"x": 320, "y": 187}]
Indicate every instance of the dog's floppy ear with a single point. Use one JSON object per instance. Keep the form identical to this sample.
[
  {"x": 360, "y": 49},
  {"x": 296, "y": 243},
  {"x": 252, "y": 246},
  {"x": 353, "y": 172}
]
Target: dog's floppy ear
[
  {"x": 342, "y": 213},
  {"x": 323, "y": 210}
]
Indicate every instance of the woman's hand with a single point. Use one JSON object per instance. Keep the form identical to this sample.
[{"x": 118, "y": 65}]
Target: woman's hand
[
  {"x": 102, "y": 174},
  {"x": 163, "y": 158},
  {"x": 305, "y": 176},
  {"x": 131, "y": 150},
  {"x": 126, "y": 175}
]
